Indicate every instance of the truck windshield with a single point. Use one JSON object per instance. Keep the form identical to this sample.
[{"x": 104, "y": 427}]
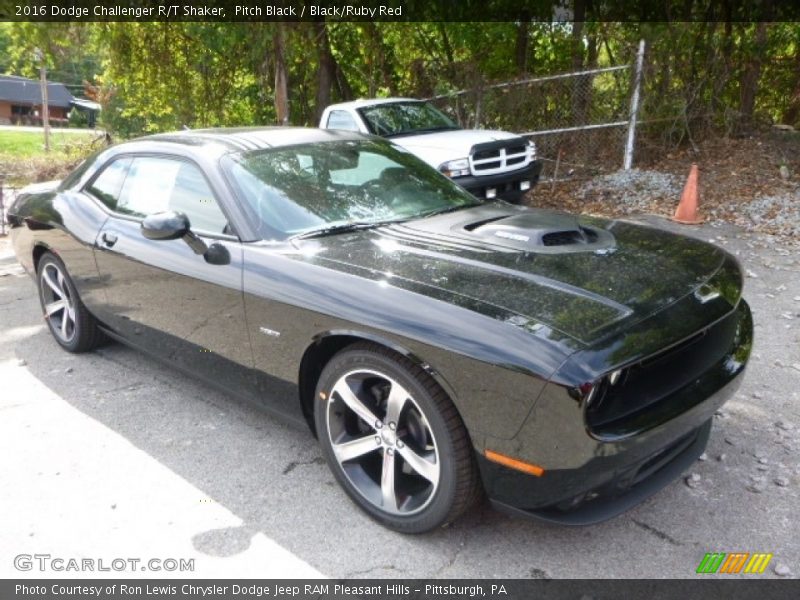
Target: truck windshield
[
  {"x": 404, "y": 118},
  {"x": 338, "y": 186}
]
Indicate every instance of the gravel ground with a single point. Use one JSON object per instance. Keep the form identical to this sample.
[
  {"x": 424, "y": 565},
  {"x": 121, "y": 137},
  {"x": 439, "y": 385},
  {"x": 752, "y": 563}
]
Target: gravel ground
[
  {"x": 113, "y": 454},
  {"x": 630, "y": 192},
  {"x": 633, "y": 192},
  {"x": 780, "y": 213}
]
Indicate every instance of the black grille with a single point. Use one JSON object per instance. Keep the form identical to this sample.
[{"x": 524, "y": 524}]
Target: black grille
[
  {"x": 494, "y": 153},
  {"x": 661, "y": 386}
]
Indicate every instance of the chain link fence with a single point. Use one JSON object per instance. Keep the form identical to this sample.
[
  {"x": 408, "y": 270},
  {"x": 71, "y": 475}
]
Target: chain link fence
[
  {"x": 7, "y": 193},
  {"x": 582, "y": 122}
]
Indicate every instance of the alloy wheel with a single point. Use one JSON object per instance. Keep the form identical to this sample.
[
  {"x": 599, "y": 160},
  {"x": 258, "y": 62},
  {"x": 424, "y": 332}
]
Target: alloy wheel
[
  {"x": 59, "y": 306},
  {"x": 383, "y": 442}
]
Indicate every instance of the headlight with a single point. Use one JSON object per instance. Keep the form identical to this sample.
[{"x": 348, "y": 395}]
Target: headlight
[
  {"x": 531, "y": 150},
  {"x": 593, "y": 392},
  {"x": 455, "y": 168}
]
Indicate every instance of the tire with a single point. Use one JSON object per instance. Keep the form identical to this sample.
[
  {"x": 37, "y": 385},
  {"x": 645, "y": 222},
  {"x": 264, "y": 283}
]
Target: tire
[
  {"x": 393, "y": 440},
  {"x": 72, "y": 326}
]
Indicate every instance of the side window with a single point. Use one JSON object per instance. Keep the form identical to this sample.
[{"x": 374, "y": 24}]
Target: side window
[
  {"x": 156, "y": 184},
  {"x": 106, "y": 187},
  {"x": 340, "y": 119}
]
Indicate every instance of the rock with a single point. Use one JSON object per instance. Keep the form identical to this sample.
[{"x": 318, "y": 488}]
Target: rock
[
  {"x": 762, "y": 468},
  {"x": 751, "y": 274},
  {"x": 755, "y": 488},
  {"x": 763, "y": 461},
  {"x": 781, "y": 481},
  {"x": 693, "y": 480},
  {"x": 757, "y": 395},
  {"x": 797, "y": 298},
  {"x": 781, "y": 570},
  {"x": 780, "y": 288},
  {"x": 784, "y": 171},
  {"x": 68, "y": 370},
  {"x": 779, "y": 362},
  {"x": 796, "y": 366},
  {"x": 22, "y": 362},
  {"x": 722, "y": 457},
  {"x": 703, "y": 457},
  {"x": 730, "y": 442},
  {"x": 784, "y": 425}
]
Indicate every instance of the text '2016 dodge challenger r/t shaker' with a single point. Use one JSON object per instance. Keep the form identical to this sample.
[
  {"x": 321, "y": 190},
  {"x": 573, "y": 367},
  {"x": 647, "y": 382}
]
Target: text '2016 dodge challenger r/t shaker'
[{"x": 439, "y": 346}]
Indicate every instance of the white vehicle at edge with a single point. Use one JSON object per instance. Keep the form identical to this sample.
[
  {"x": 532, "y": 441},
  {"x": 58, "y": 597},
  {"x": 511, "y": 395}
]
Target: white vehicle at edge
[{"x": 489, "y": 164}]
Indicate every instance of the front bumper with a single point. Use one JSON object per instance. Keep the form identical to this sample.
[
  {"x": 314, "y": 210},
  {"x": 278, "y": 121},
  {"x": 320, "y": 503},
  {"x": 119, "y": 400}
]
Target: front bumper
[
  {"x": 588, "y": 479},
  {"x": 623, "y": 491},
  {"x": 506, "y": 185}
]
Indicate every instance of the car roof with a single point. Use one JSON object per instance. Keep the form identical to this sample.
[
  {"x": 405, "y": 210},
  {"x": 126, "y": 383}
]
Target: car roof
[
  {"x": 246, "y": 139},
  {"x": 361, "y": 102}
]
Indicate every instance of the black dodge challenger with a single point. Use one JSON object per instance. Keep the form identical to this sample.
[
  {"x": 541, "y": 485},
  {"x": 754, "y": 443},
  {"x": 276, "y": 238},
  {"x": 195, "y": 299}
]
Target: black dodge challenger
[{"x": 439, "y": 347}]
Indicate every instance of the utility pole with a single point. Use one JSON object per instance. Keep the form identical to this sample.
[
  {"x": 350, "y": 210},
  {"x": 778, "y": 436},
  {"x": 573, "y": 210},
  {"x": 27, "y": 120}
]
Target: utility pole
[
  {"x": 637, "y": 87},
  {"x": 45, "y": 100}
]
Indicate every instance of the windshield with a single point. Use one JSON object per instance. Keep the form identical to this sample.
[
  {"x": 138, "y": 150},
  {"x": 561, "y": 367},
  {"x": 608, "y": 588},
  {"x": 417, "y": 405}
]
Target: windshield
[
  {"x": 299, "y": 189},
  {"x": 404, "y": 118}
]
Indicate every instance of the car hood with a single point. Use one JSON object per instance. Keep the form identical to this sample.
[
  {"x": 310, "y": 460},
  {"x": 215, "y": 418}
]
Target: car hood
[
  {"x": 582, "y": 277},
  {"x": 440, "y": 146}
]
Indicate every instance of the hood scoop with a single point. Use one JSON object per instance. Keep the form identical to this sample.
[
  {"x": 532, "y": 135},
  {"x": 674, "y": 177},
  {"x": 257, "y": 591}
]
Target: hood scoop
[{"x": 544, "y": 232}]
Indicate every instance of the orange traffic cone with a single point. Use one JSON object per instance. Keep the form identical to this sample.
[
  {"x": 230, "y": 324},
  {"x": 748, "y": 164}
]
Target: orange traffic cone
[{"x": 686, "y": 212}]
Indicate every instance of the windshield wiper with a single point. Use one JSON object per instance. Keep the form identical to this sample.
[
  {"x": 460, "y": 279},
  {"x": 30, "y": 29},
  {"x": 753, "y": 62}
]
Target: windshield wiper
[
  {"x": 343, "y": 228},
  {"x": 421, "y": 130}
]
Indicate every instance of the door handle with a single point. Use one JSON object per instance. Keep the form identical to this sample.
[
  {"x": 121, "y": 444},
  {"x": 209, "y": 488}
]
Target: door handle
[{"x": 109, "y": 239}]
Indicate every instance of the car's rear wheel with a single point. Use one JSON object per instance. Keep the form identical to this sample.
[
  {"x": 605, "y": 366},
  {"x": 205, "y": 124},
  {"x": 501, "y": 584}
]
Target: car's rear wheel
[
  {"x": 73, "y": 327},
  {"x": 394, "y": 440}
]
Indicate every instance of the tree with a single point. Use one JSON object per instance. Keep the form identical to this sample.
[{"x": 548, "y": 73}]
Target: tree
[{"x": 281, "y": 77}]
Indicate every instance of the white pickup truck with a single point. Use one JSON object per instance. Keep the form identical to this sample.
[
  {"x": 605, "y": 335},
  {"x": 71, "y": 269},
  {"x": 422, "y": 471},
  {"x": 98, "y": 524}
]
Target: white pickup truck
[{"x": 489, "y": 164}]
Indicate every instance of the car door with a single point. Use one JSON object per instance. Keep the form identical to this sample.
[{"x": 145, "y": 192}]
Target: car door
[{"x": 161, "y": 295}]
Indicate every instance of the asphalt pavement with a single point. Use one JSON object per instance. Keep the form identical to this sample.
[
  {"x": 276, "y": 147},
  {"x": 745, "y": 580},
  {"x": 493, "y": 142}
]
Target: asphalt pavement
[{"x": 112, "y": 455}]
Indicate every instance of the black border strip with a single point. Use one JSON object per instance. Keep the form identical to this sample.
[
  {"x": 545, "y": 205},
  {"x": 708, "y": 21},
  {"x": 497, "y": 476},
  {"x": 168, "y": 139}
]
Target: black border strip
[{"x": 399, "y": 10}]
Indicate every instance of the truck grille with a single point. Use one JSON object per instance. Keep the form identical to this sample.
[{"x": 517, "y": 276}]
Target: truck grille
[{"x": 499, "y": 156}]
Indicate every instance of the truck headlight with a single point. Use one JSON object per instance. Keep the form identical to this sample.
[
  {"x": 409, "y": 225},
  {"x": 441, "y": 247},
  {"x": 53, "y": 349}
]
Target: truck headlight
[{"x": 455, "y": 168}]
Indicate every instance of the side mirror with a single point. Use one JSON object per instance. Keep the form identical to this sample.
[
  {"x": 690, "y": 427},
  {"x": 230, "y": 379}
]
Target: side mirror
[
  {"x": 217, "y": 254},
  {"x": 172, "y": 225},
  {"x": 165, "y": 226}
]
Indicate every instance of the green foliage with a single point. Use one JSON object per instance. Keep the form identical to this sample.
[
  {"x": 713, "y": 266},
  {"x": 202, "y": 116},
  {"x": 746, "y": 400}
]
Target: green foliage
[{"x": 159, "y": 76}]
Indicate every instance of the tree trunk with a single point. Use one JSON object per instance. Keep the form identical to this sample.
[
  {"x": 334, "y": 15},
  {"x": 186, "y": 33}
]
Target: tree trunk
[
  {"x": 578, "y": 105},
  {"x": 750, "y": 77},
  {"x": 281, "y": 83},
  {"x": 521, "y": 51},
  {"x": 579, "y": 16},
  {"x": 326, "y": 71}
]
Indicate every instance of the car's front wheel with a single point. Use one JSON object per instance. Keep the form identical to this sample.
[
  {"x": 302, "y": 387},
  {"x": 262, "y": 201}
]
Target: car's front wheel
[
  {"x": 73, "y": 327},
  {"x": 394, "y": 440}
]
